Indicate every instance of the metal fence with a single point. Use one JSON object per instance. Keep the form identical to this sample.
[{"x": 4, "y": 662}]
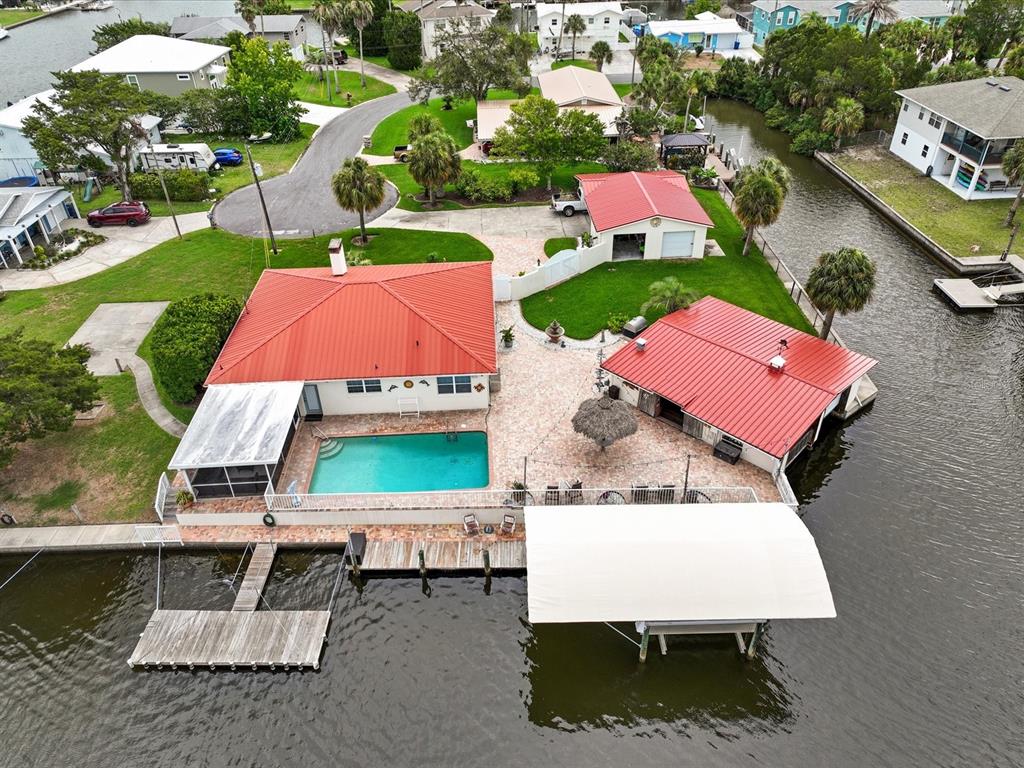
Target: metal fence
[
  {"x": 163, "y": 487},
  {"x": 158, "y": 535},
  {"x": 796, "y": 290},
  {"x": 508, "y": 498},
  {"x": 866, "y": 139}
]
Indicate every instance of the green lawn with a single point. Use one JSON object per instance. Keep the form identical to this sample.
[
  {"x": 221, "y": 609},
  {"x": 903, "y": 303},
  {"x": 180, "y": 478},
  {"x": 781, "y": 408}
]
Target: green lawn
[
  {"x": 955, "y": 224},
  {"x": 275, "y": 159},
  {"x": 556, "y": 244},
  {"x": 108, "y": 467},
  {"x": 581, "y": 63},
  {"x": 398, "y": 174},
  {"x": 311, "y": 89},
  {"x": 623, "y": 89},
  {"x": 582, "y": 305},
  {"x": 393, "y": 130},
  {"x": 13, "y": 16},
  {"x": 353, "y": 52}
]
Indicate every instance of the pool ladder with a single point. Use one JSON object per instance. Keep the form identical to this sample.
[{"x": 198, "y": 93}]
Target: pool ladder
[{"x": 450, "y": 434}]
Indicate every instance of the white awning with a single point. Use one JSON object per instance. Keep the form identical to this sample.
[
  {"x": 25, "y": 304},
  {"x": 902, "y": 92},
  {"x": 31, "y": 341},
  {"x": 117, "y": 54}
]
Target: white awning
[
  {"x": 239, "y": 425},
  {"x": 673, "y": 562}
]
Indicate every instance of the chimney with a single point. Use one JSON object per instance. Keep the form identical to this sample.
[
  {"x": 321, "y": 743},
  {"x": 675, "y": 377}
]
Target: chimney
[
  {"x": 336, "y": 250},
  {"x": 641, "y": 344}
]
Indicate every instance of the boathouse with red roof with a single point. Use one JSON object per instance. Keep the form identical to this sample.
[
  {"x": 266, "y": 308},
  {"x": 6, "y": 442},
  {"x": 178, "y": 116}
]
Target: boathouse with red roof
[
  {"x": 651, "y": 215},
  {"x": 752, "y": 387}
]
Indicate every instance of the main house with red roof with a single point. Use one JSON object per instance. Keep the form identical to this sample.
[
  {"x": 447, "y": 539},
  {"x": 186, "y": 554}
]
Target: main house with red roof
[
  {"x": 752, "y": 387},
  {"x": 650, "y": 215},
  {"x": 334, "y": 341}
]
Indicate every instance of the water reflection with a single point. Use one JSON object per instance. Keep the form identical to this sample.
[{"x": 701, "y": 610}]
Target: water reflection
[{"x": 586, "y": 676}]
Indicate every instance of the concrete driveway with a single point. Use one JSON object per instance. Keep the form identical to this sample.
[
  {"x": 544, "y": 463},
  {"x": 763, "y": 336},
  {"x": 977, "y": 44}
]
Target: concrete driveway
[
  {"x": 531, "y": 222},
  {"x": 300, "y": 203}
]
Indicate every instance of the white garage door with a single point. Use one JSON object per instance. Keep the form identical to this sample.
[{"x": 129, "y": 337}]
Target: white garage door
[{"x": 677, "y": 245}]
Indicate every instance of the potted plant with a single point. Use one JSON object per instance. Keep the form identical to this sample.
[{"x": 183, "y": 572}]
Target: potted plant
[
  {"x": 555, "y": 332},
  {"x": 184, "y": 499},
  {"x": 587, "y": 239},
  {"x": 507, "y": 337},
  {"x": 518, "y": 492}
]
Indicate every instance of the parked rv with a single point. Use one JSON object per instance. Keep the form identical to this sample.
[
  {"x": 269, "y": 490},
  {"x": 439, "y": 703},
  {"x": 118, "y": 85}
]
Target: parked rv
[{"x": 197, "y": 157}]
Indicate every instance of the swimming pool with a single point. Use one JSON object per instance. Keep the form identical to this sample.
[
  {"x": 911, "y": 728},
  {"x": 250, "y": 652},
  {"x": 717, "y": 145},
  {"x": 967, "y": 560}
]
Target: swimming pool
[{"x": 430, "y": 461}]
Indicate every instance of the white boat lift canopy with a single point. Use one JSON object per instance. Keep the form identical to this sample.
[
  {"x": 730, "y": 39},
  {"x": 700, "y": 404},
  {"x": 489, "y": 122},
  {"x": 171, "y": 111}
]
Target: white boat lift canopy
[{"x": 674, "y": 568}]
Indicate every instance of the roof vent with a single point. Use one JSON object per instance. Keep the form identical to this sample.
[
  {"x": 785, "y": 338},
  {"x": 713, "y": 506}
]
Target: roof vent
[
  {"x": 992, "y": 83},
  {"x": 1004, "y": 88},
  {"x": 777, "y": 363},
  {"x": 641, "y": 344}
]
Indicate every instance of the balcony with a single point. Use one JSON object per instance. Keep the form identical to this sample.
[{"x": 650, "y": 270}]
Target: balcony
[{"x": 973, "y": 147}]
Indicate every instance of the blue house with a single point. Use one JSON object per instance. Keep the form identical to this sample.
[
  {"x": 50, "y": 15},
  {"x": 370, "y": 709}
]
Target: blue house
[{"x": 769, "y": 15}]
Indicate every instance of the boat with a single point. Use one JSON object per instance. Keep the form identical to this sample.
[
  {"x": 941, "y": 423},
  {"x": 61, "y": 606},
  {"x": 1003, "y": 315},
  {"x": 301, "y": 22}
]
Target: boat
[
  {"x": 4, "y": 34},
  {"x": 97, "y": 5}
]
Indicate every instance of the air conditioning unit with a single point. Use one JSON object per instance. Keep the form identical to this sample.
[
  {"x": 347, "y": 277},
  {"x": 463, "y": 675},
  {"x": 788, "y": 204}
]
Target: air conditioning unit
[{"x": 641, "y": 344}]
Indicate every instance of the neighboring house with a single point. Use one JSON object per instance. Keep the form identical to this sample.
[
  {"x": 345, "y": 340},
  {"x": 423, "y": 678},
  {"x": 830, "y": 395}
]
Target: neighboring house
[
  {"x": 709, "y": 31},
  {"x": 643, "y": 216},
  {"x": 438, "y": 15},
  {"x": 602, "y": 20},
  {"x": 279, "y": 28},
  {"x": 27, "y": 217},
  {"x": 338, "y": 341},
  {"x": 722, "y": 375},
  {"x": 957, "y": 133},
  {"x": 165, "y": 65},
  {"x": 570, "y": 88},
  {"x": 770, "y": 15},
  {"x": 18, "y": 158}
]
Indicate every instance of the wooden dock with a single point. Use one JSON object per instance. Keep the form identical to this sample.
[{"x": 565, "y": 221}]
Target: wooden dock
[
  {"x": 234, "y": 639},
  {"x": 256, "y": 575},
  {"x": 460, "y": 555}
]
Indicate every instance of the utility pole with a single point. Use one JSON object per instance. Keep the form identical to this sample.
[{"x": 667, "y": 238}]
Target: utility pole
[
  {"x": 167, "y": 197},
  {"x": 263, "y": 202}
]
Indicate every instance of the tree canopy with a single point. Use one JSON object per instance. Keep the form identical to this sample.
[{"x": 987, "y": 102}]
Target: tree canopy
[
  {"x": 403, "y": 37},
  {"x": 469, "y": 65},
  {"x": 42, "y": 385},
  {"x": 841, "y": 281},
  {"x": 358, "y": 187},
  {"x": 258, "y": 93},
  {"x": 108, "y": 35}
]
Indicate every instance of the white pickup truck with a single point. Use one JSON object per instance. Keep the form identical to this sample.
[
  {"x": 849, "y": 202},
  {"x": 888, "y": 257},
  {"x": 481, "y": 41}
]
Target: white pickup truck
[{"x": 567, "y": 206}]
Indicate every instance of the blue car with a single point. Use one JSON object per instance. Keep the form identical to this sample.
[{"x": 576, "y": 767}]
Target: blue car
[{"x": 228, "y": 156}]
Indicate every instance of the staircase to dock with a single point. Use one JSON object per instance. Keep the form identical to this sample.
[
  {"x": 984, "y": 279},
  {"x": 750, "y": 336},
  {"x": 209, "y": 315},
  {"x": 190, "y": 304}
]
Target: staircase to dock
[{"x": 256, "y": 575}]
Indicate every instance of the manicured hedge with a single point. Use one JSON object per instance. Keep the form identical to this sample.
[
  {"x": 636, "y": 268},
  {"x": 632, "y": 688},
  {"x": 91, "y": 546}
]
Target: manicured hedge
[
  {"x": 187, "y": 338},
  {"x": 183, "y": 185}
]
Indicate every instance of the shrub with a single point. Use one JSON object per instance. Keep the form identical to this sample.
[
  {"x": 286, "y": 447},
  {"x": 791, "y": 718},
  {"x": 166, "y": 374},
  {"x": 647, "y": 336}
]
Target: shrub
[
  {"x": 402, "y": 37},
  {"x": 183, "y": 185},
  {"x": 777, "y": 117},
  {"x": 201, "y": 110},
  {"x": 476, "y": 187},
  {"x": 616, "y": 320},
  {"x": 187, "y": 338},
  {"x": 523, "y": 179},
  {"x": 631, "y": 156},
  {"x": 809, "y": 140}
]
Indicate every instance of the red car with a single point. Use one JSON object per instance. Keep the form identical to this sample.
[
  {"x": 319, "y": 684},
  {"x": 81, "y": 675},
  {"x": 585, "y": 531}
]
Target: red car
[{"x": 130, "y": 212}]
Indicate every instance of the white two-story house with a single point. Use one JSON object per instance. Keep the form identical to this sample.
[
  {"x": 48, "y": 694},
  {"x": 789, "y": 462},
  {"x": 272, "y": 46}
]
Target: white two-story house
[
  {"x": 957, "y": 133},
  {"x": 436, "y": 16},
  {"x": 602, "y": 20}
]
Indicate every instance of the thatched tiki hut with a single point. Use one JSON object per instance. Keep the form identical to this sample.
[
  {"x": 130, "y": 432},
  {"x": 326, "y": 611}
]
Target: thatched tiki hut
[{"x": 604, "y": 420}]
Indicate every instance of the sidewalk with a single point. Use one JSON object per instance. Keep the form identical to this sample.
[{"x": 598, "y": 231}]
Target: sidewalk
[
  {"x": 69, "y": 538},
  {"x": 320, "y": 114},
  {"x": 122, "y": 244}
]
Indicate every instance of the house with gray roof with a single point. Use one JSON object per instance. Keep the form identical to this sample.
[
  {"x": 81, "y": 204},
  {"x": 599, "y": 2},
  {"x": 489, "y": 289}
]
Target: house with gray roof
[
  {"x": 437, "y": 15},
  {"x": 766, "y": 16},
  {"x": 957, "y": 133},
  {"x": 274, "y": 28}
]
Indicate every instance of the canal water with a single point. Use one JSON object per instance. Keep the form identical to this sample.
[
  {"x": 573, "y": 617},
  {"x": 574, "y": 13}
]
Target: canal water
[{"x": 915, "y": 505}]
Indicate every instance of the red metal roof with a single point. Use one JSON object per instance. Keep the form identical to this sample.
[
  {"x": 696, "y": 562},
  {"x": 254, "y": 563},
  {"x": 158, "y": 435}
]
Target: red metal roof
[
  {"x": 712, "y": 361},
  {"x": 374, "y": 321},
  {"x": 616, "y": 199}
]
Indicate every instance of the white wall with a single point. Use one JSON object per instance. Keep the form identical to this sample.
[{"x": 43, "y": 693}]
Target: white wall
[
  {"x": 336, "y": 399},
  {"x": 547, "y": 32},
  {"x": 469, "y": 25},
  {"x": 653, "y": 235},
  {"x": 922, "y": 139}
]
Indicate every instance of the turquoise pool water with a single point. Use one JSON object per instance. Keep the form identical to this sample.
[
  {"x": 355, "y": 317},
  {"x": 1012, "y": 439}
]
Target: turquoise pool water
[{"x": 401, "y": 463}]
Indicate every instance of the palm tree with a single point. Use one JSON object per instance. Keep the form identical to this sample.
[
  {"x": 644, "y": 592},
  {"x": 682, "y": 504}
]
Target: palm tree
[
  {"x": 846, "y": 118},
  {"x": 359, "y": 187},
  {"x": 423, "y": 124},
  {"x": 758, "y": 203},
  {"x": 842, "y": 281},
  {"x": 561, "y": 29},
  {"x": 882, "y": 10},
  {"x": 248, "y": 10},
  {"x": 776, "y": 169},
  {"x": 575, "y": 26},
  {"x": 668, "y": 295},
  {"x": 360, "y": 13},
  {"x": 825, "y": 86},
  {"x": 325, "y": 14},
  {"x": 600, "y": 54},
  {"x": 1013, "y": 167},
  {"x": 435, "y": 162}
]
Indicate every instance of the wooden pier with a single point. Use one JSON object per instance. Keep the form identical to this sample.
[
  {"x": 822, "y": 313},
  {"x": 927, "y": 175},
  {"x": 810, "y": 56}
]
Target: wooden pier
[
  {"x": 443, "y": 555},
  {"x": 256, "y": 575},
  {"x": 234, "y": 639}
]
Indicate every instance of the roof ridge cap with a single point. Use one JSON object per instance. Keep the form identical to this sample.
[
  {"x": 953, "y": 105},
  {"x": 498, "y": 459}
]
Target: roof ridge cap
[
  {"x": 643, "y": 189},
  {"x": 429, "y": 321}
]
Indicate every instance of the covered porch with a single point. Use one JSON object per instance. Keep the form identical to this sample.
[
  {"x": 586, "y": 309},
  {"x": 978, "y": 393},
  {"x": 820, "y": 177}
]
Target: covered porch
[
  {"x": 31, "y": 216},
  {"x": 973, "y": 172}
]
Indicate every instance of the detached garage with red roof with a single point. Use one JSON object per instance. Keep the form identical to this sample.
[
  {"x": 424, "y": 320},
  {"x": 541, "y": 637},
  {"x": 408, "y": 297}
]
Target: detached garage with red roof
[
  {"x": 752, "y": 387},
  {"x": 644, "y": 215}
]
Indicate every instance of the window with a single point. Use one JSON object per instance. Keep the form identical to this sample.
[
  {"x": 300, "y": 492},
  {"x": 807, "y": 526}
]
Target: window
[
  {"x": 133, "y": 80},
  {"x": 449, "y": 385},
  {"x": 924, "y": 151},
  {"x": 791, "y": 18},
  {"x": 554, "y": 22},
  {"x": 903, "y": 140},
  {"x": 360, "y": 386},
  {"x": 934, "y": 120},
  {"x": 778, "y": 18},
  {"x": 920, "y": 115},
  {"x": 185, "y": 77},
  {"x": 906, "y": 106},
  {"x": 590, "y": 20},
  {"x": 607, "y": 19}
]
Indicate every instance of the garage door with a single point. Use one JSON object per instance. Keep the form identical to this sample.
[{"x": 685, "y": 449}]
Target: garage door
[{"x": 677, "y": 245}]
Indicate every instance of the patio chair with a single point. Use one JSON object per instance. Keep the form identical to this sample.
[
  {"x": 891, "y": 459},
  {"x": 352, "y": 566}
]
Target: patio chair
[
  {"x": 508, "y": 524},
  {"x": 575, "y": 494},
  {"x": 471, "y": 524},
  {"x": 667, "y": 494},
  {"x": 639, "y": 494},
  {"x": 551, "y": 495}
]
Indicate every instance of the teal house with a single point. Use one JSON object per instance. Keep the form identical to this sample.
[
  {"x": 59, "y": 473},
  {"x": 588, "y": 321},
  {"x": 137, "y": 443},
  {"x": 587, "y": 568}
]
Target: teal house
[{"x": 769, "y": 15}]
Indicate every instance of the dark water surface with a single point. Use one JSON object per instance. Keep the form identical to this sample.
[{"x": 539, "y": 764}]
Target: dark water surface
[{"x": 915, "y": 505}]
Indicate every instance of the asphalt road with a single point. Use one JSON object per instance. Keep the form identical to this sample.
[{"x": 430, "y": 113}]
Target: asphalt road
[{"x": 300, "y": 203}]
